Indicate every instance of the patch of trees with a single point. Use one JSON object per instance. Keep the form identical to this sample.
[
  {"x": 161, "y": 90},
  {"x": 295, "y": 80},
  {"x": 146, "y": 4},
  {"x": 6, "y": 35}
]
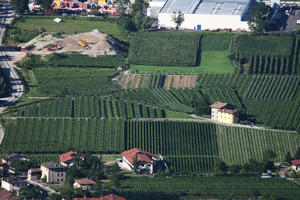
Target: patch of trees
[{"x": 133, "y": 16}]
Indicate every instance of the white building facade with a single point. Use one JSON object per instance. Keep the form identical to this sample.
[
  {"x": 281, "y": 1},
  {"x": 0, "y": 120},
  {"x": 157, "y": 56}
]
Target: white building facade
[{"x": 206, "y": 14}]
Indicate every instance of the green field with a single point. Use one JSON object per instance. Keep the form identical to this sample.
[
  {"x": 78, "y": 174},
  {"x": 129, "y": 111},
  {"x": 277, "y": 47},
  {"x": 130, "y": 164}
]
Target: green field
[
  {"x": 53, "y": 81},
  {"x": 71, "y": 25},
  {"x": 208, "y": 188},
  {"x": 212, "y": 62}
]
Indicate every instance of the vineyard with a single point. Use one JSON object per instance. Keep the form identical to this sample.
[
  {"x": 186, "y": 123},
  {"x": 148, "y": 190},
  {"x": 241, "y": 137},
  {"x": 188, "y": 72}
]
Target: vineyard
[
  {"x": 273, "y": 87},
  {"x": 187, "y": 146},
  {"x": 267, "y": 54},
  {"x": 42, "y": 158},
  {"x": 164, "y": 48},
  {"x": 55, "y": 81},
  {"x": 238, "y": 145},
  {"x": 134, "y": 81},
  {"x": 210, "y": 188},
  {"x": 61, "y": 135},
  {"x": 89, "y": 106}
]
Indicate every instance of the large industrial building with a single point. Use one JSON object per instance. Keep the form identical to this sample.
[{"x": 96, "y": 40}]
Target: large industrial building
[{"x": 202, "y": 14}]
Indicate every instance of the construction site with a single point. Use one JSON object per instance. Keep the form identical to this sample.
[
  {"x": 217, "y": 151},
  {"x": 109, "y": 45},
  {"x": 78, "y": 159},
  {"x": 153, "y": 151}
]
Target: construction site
[{"x": 92, "y": 44}]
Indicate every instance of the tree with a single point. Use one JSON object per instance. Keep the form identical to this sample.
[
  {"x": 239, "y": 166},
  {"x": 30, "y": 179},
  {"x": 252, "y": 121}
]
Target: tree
[
  {"x": 288, "y": 157},
  {"x": 269, "y": 155},
  {"x": 20, "y": 6},
  {"x": 21, "y": 166},
  {"x": 45, "y": 4},
  {"x": 177, "y": 18},
  {"x": 259, "y": 17},
  {"x": 297, "y": 155},
  {"x": 221, "y": 166},
  {"x": 31, "y": 192},
  {"x": 54, "y": 196}
]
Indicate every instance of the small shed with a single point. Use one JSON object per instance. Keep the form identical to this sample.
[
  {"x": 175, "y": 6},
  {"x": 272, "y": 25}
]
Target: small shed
[{"x": 57, "y": 20}]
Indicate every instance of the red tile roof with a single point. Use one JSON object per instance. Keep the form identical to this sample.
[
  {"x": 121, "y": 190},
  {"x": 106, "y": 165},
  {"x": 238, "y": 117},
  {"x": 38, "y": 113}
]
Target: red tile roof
[
  {"x": 6, "y": 195},
  {"x": 107, "y": 197},
  {"x": 112, "y": 197},
  {"x": 67, "y": 156},
  {"x": 295, "y": 162},
  {"x": 218, "y": 105},
  {"x": 141, "y": 155},
  {"x": 85, "y": 181}
]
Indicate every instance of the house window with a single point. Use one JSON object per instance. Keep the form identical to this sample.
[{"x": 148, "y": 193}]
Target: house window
[
  {"x": 62, "y": 180},
  {"x": 62, "y": 174},
  {"x": 57, "y": 180},
  {"x": 57, "y": 174}
]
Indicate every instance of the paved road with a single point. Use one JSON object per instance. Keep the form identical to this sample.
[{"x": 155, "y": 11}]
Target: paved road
[
  {"x": 46, "y": 188},
  {"x": 17, "y": 88}
]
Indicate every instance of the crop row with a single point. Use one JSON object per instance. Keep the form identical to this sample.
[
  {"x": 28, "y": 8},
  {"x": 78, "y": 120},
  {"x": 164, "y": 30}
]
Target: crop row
[
  {"x": 189, "y": 164},
  {"x": 273, "y": 87},
  {"x": 42, "y": 158},
  {"x": 239, "y": 145},
  {"x": 89, "y": 106},
  {"x": 275, "y": 113},
  {"x": 61, "y": 135}
]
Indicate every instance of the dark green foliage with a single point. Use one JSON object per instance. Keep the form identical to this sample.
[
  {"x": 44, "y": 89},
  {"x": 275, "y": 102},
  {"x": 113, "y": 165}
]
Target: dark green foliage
[
  {"x": 4, "y": 84},
  {"x": 288, "y": 157},
  {"x": 297, "y": 154},
  {"x": 31, "y": 192},
  {"x": 78, "y": 60},
  {"x": 164, "y": 48},
  {"x": 259, "y": 17},
  {"x": 21, "y": 166},
  {"x": 20, "y": 6},
  {"x": 213, "y": 187}
]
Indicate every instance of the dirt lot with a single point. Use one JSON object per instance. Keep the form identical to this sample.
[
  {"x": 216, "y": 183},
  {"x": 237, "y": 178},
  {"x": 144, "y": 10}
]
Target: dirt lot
[{"x": 97, "y": 44}]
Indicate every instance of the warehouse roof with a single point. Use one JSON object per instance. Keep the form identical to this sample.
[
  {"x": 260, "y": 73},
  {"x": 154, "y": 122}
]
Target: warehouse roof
[{"x": 217, "y": 7}]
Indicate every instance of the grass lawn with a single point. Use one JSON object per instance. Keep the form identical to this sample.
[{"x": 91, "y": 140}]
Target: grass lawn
[
  {"x": 108, "y": 157},
  {"x": 171, "y": 114},
  {"x": 212, "y": 62}
]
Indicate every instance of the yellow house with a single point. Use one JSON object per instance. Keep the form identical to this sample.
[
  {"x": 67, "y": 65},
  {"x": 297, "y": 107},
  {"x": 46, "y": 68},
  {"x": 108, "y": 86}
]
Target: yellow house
[{"x": 223, "y": 112}]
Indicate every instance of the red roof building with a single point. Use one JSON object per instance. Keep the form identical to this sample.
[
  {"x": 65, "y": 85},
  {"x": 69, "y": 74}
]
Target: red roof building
[
  {"x": 141, "y": 155},
  {"x": 296, "y": 162},
  {"x": 84, "y": 183},
  {"x": 67, "y": 159},
  {"x": 107, "y": 197},
  {"x": 146, "y": 159}
]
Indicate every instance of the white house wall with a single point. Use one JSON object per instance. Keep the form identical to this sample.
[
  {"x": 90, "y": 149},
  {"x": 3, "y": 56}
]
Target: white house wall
[{"x": 206, "y": 21}]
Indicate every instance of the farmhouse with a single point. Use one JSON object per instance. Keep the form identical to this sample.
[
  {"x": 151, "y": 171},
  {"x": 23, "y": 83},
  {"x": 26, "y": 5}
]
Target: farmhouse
[
  {"x": 84, "y": 183},
  {"x": 13, "y": 183},
  {"x": 223, "y": 112},
  {"x": 146, "y": 160},
  {"x": 296, "y": 165},
  {"x": 54, "y": 172},
  {"x": 67, "y": 159},
  {"x": 34, "y": 174},
  {"x": 206, "y": 14}
]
